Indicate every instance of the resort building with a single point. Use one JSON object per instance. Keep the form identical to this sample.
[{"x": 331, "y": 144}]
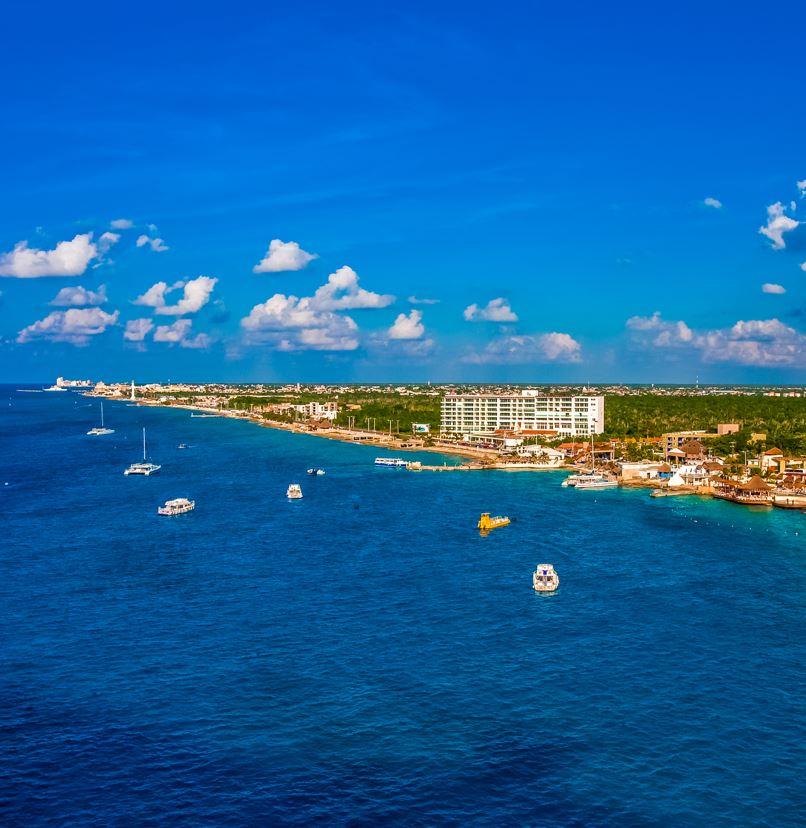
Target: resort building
[
  {"x": 529, "y": 411},
  {"x": 318, "y": 411},
  {"x": 675, "y": 439}
]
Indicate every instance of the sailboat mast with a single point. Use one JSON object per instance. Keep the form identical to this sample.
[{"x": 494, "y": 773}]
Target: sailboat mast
[
  {"x": 144, "y": 444},
  {"x": 102, "y": 414}
]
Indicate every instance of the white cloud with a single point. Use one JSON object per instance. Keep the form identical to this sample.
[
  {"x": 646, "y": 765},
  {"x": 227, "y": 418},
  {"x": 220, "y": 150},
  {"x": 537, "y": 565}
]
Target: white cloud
[
  {"x": 777, "y": 224},
  {"x": 138, "y": 329},
  {"x": 121, "y": 224},
  {"x": 414, "y": 300},
  {"x": 770, "y": 287},
  {"x": 156, "y": 244},
  {"x": 283, "y": 256},
  {"x": 803, "y": 266},
  {"x": 311, "y": 329},
  {"x": 407, "y": 326},
  {"x": 195, "y": 295},
  {"x": 68, "y": 258},
  {"x": 801, "y": 185},
  {"x": 79, "y": 296},
  {"x": 496, "y": 310},
  {"x": 521, "y": 349},
  {"x": 75, "y": 326},
  {"x": 712, "y": 202},
  {"x": 342, "y": 292},
  {"x": 106, "y": 240},
  {"x": 754, "y": 342},
  {"x": 663, "y": 334},
  {"x": 179, "y": 334}
]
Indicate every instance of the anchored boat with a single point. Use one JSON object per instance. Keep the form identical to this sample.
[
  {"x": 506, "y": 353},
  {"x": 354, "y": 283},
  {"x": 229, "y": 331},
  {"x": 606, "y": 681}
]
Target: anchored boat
[
  {"x": 545, "y": 579},
  {"x": 316, "y": 471},
  {"x": 96, "y": 432},
  {"x": 145, "y": 468},
  {"x": 177, "y": 506},
  {"x": 294, "y": 492},
  {"x": 486, "y": 523},
  {"x": 395, "y": 462}
]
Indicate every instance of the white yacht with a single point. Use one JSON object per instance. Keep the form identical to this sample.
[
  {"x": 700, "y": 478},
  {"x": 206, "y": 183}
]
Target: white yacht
[
  {"x": 177, "y": 506},
  {"x": 545, "y": 579},
  {"x": 294, "y": 492},
  {"x": 318, "y": 472},
  {"x": 96, "y": 432},
  {"x": 582, "y": 477},
  {"x": 395, "y": 462},
  {"x": 144, "y": 468},
  {"x": 598, "y": 481}
]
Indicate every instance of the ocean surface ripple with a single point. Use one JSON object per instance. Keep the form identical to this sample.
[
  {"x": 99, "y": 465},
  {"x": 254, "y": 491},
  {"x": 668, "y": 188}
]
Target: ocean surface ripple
[{"x": 363, "y": 656}]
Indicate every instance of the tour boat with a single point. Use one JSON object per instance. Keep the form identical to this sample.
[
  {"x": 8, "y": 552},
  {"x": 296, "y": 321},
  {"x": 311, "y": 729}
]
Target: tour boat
[
  {"x": 316, "y": 471},
  {"x": 545, "y": 579},
  {"x": 144, "y": 468},
  {"x": 294, "y": 492},
  {"x": 574, "y": 479},
  {"x": 486, "y": 522},
  {"x": 597, "y": 481},
  {"x": 178, "y": 506},
  {"x": 396, "y": 462},
  {"x": 95, "y": 432}
]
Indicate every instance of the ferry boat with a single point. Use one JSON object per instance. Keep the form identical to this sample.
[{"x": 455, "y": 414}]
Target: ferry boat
[
  {"x": 545, "y": 579},
  {"x": 95, "y": 432},
  {"x": 145, "y": 468},
  {"x": 177, "y": 506},
  {"x": 316, "y": 471},
  {"x": 486, "y": 523},
  {"x": 294, "y": 492},
  {"x": 396, "y": 462}
]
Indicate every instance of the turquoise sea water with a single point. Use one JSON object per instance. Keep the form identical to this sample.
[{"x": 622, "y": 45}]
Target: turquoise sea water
[{"x": 363, "y": 656}]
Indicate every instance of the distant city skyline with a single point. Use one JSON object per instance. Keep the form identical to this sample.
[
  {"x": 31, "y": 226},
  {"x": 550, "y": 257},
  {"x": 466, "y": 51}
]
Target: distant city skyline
[{"x": 537, "y": 196}]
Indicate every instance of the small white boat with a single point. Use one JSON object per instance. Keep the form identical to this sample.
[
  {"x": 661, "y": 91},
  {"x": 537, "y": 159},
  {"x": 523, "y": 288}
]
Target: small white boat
[
  {"x": 177, "y": 506},
  {"x": 145, "y": 468},
  {"x": 96, "y": 432},
  {"x": 545, "y": 579},
  {"x": 182, "y": 445},
  {"x": 395, "y": 462},
  {"x": 582, "y": 477},
  {"x": 294, "y": 492},
  {"x": 316, "y": 471}
]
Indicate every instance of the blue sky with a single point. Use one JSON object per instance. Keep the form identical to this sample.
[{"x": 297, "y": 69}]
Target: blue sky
[{"x": 538, "y": 174}]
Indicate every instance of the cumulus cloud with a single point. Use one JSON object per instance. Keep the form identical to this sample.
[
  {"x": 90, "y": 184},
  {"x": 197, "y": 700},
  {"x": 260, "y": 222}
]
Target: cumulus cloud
[
  {"x": 496, "y": 310},
  {"x": 121, "y": 224},
  {"x": 75, "y": 326},
  {"x": 407, "y": 326},
  {"x": 156, "y": 244},
  {"x": 520, "y": 349},
  {"x": 414, "y": 300},
  {"x": 770, "y": 287},
  {"x": 179, "y": 334},
  {"x": 754, "y": 342},
  {"x": 106, "y": 240},
  {"x": 283, "y": 256},
  {"x": 712, "y": 202},
  {"x": 777, "y": 224},
  {"x": 79, "y": 296},
  {"x": 68, "y": 258},
  {"x": 342, "y": 292},
  {"x": 138, "y": 329},
  {"x": 801, "y": 185},
  {"x": 195, "y": 295},
  {"x": 661, "y": 333}
]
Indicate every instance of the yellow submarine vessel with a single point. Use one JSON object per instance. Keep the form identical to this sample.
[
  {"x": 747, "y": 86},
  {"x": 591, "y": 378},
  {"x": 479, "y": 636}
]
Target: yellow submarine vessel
[{"x": 486, "y": 522}]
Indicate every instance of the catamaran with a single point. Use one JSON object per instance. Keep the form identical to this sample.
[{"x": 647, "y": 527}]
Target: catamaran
[
  {"x": 145, "y": 467},
  {"x": 95, "y": 432}
]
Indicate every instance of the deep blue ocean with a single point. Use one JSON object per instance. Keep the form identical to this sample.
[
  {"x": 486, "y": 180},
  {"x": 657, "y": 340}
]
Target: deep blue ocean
[{"x": 363, "y": 656}]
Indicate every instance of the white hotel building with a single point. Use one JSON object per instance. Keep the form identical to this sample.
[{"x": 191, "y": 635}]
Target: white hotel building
[{"x": 473, "y": 414}]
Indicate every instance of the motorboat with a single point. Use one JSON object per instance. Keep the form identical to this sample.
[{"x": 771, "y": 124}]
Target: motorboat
[
  {"x": 177, "y": 506},
  {"x": 598, "y": 481},
  {"x": 545, "y": 578},
  {"x": 294, "y": 492},
  {"x": 317, "y": 472},
  {"x": 145, "y": 468}
]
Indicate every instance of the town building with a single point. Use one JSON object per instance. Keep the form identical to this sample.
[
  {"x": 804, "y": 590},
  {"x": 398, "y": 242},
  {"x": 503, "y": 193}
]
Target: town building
[
  {"x": 567, "y": 416},
  {"x": 675, "y": 439},
  {"x": 318, "y": 411}
]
